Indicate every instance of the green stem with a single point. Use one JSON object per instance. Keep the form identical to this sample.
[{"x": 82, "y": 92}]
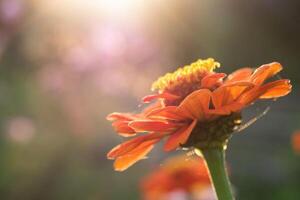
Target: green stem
[{"x": 215, "y": 160}]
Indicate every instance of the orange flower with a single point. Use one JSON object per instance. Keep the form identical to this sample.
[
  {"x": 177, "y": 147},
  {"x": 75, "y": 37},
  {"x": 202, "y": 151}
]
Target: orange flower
[
  {"x": 194, "y": 107},
  {"x": 296, "y": 141},
  {"x": 189, "y": 176}
]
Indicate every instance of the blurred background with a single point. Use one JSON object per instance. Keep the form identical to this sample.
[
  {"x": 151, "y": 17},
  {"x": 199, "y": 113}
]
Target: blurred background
[{"x": 66, "y": 64}]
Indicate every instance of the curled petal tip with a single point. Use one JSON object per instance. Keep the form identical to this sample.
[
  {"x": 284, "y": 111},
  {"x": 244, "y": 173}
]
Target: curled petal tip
[
  {"x": 265, "y": 71},
  {"x": 119, "y": 116},
  {"x": 113, "y": 116},
  {"x": 109, "y": 117},
  {"x": 149, "y": 98},
  {"x": 164, "y": 95},
  {"x": 110, "y": 154}
]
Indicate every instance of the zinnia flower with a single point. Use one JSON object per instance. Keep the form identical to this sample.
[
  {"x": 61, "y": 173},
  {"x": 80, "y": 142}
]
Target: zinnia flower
[
  {"x": 193, "y": 107},
  {"x": 296, "y": 141},
  {"x": 178, "y": 176}
]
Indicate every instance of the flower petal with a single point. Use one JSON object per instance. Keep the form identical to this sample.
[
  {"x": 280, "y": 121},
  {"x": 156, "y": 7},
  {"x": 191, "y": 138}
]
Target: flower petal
[
  {"x": 179, "y": 137},
  {"x": 265, "y": 71},
  {"x": 164, "y": 95},
  {"x": 195, "y": 105},
  {"x": 152, "y": 125},
  {"x": 122, "y": 128},
  {"x": 250, "y": 96},
  {"x": 212, "y": 80},
  {"x": 129, "y": 145},
  {"x": 276, "y": 89},
  {"x": 151, "y": 107},
  {"x": 120, "y": 116},
  {"x": 125, "y": 161},
  {"x": 270, "y": 90},
  {"x": 240, "y": 75},
  {"x": 169, "y": 112},
  {"x": 228, "y": 93},
  {"x": 227, "y": 109}
]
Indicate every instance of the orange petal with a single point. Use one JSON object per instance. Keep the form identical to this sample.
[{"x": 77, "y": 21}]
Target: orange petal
[
  {"x": 151, "y": 107},
  {"x": 169, "y": 112},
  {"x": 151, "y": 125},
  {"x": 196, "y": 104},
  {"x": 211, "y": 80},
  {"x": 296, "y": 141},
  {"x": 240, "y": 75},
  {"x": 228, "y": 93},
  {"x": 227, "y": 109},
  {"x": 149, "y": 98},
  {"x": 164, "y": 95},
  {"x": 179, "y": 137},
  {"x": 129, "y": 145},
  {"x": 125, "y": 161},
  {"x": 119, "y": 116},
  {"x": 265, "y": 71},
  {"x": 250, "y": 96},
  {"x": 123, "y": 129},
  {"x": 276, "y": 89},
  {"x": 269, "y": 90}
]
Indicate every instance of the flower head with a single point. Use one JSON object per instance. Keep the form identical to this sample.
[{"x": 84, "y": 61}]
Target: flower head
[
  {"x": 194, "y": 107},
  {"x": 189, "y": 176},
  {"x": 296, "y": 142}
]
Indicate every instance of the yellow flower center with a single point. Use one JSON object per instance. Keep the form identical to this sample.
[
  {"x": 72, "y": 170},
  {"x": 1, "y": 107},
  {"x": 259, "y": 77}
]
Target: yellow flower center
[{"x": 186, "y": 75}]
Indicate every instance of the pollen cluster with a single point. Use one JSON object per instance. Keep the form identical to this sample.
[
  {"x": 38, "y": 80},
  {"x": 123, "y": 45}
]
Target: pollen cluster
[{"x": 186, "y": 75}]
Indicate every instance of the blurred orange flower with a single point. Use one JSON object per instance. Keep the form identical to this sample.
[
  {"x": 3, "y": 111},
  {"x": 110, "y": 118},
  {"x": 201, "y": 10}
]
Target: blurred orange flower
[
  {"x": 296, "y": 141},
  {"x": 176, "y": 176},
  {"x": 195, "y": 107}
]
